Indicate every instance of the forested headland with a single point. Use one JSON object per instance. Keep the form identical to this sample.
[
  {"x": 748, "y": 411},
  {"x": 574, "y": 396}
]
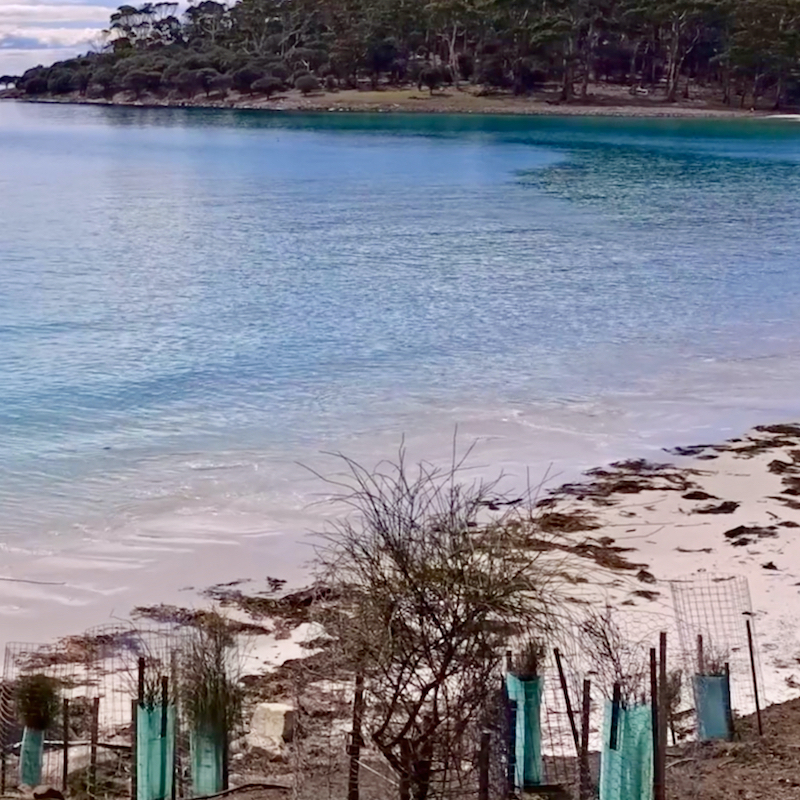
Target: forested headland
[{"x": 746, "y": 53}]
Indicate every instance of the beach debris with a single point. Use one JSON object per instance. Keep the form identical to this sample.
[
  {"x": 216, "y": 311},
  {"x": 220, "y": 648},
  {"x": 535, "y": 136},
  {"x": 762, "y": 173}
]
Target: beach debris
[
  {"x": 769, "y": 565},
  {"x": 726, "y": 507},
  {"x": 628, "y": 477},
  {"x": 569, "y": 522},
  {"x": 779, "y": 467},
  {"x": 699, "y": 495},
  {"x": 645, "y": 577},
  {"x": 744, "y": 534},
  {"x": 691, "y": 450}
]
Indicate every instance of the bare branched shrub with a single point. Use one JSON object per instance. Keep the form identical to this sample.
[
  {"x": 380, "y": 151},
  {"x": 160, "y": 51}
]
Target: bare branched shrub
[
  {"x": 616, "y": 656},
  {"x": 434, "y": 587},
  {"x": 527, "y": 663},
  {"x": 714, "y": 661}
]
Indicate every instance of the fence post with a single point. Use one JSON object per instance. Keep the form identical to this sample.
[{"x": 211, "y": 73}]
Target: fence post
[
  {"x": 140, "y": 693},
  {"x": 585, "y": 774},
  {"x": 512, "y": 747},
  {"x": 570, "y": 713},
  {"x": 66, "y": 745},
  {"x": 134, "y": 748},
  {"x": 356, "y": 741},
  {"x": 753, "y": 673},
  {"x": 654, "y": 717},
  {"x": 700, "y": 659},
  {"x": 661, "y": 786},
  {"x": 483, "y": 767},
  {"x": 731, "y": 730},
  {"x": 616, "y": 701},
  {"x": 93, "y": 747}
]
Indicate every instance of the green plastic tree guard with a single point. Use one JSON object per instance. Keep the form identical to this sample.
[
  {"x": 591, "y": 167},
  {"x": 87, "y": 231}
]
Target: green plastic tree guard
[
  {"x": 626, "y": 772},
  {"x": 154, "y": 753},
  {"x": 30, "y": 757},
  {"x": 528, "y": 696},
  {"x": 712, "y": 697},
  {"x": 207, "y": 760}
]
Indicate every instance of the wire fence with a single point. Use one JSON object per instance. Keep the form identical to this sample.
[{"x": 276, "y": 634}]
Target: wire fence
[{"x": 98, "y": 682}]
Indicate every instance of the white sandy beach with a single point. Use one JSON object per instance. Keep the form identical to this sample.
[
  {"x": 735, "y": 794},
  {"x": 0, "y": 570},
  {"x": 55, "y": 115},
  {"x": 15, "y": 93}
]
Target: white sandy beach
[{"x": 663, "y": 532}]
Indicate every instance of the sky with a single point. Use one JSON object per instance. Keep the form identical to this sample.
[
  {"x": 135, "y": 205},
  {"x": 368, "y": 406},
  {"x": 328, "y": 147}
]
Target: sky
[{"x": 43, "y": 31}]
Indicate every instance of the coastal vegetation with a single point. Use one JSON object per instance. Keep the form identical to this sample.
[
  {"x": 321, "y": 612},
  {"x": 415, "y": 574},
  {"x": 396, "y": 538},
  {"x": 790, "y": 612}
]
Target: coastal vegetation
[
  {"x": 436, "y": 578},
  {"x": 746, "y": 51}
]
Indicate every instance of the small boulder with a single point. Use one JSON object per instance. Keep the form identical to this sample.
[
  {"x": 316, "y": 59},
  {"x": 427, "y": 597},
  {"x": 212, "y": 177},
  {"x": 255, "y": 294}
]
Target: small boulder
[{"x": 272, "y": 725}]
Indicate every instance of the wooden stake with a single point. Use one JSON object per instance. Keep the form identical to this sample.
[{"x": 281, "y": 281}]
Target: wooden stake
[
  {"x": 3, "y": 716},
  {"x": 661, "y": 792},
  {"x": 93, "y": 747},
  {"x": 140, "y": 694},
  {"x": 164, "y": 698},
  {"x": 615, "y": 707},
  {"x": 753, "y": 673},
  {"x": 512, "y": 747},
  {"x": 585, "y": 775},
  {"x": 700, "y": 664},
  {"x": 226, "y": 764},
  {"x": 509, "y": 661},
  {"x": 483, "y": 767},
  {"x": 654, "y": 718},
  {"x": 134, "y": 747},
  {"x": 176, "y": 734},
  {"x": 570, "y": 712},
  {"x": 65, "y": 770},
  {"x": 356, "y": 741},
  {"x": 730, "y": 701}
]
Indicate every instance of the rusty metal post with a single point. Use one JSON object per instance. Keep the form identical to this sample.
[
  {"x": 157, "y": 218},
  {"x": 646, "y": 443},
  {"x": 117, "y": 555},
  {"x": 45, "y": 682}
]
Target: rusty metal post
[
  {"x": 585, "y": 774},
  {"x": 753, "y": 673},
  {"x": 65, "y": 769}
]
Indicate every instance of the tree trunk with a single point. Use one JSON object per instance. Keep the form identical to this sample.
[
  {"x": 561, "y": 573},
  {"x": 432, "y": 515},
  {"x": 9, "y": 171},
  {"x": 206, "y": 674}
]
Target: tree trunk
[
  {"x": 778, "y": 91},
  {"x": 673, "y": 70},
  {"x": 453, "y": 59},
  {"x": 587, "y": 61},
  {"x": 566, "y": 82}
]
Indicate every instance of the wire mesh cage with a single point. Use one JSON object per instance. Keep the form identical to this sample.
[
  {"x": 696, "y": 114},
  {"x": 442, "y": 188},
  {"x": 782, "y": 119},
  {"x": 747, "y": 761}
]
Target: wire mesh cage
[
  {"x": 716, "y": 627},
  {"x": 66, "y": 708}
]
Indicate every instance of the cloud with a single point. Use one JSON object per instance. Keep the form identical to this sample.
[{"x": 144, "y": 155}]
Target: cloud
[
  {"x": 48, "y": 13},
  {"x": 45, "y": 38},
  {"x": 44, "y": 31},
  {"x": 15, "y": 62}
]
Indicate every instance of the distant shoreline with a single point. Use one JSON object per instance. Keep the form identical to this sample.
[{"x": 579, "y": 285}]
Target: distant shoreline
[{"x": 451, "y": 101}]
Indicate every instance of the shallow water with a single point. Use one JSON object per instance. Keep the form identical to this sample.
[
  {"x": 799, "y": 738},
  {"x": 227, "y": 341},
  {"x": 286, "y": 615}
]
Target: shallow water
[{"x": 193, "y": 301}]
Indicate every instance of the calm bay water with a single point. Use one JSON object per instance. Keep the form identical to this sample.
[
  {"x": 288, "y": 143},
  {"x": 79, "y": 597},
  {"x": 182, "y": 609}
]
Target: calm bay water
[{"x": 193, "y": 301}]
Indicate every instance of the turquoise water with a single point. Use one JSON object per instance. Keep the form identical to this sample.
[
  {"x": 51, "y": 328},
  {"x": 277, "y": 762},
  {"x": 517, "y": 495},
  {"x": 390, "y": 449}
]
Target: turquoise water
[{"x": 192, "y": 301}]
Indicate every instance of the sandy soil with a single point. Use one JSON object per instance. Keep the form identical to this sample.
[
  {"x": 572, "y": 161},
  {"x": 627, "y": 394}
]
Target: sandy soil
[{"x": 603, "y": 100}]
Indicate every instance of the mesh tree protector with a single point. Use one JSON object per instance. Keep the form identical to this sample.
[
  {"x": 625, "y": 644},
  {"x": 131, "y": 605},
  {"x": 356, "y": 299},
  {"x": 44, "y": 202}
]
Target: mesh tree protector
[
  {"x": 155, "y": 752},
  {"x": 626, "y": 772},
  {"x": 30, "y": 757},
  {"x": 528, "y": 740},
  {"x": 207, "y": 758},
  {"x": 712, "y": 699}
]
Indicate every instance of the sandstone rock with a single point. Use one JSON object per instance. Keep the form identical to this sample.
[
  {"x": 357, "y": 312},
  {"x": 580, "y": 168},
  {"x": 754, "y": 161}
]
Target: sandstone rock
[{"x": 271, "y": 726}]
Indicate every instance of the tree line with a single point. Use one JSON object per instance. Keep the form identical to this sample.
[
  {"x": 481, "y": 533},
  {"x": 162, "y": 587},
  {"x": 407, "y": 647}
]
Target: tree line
[{"x": 746, "y": 50}]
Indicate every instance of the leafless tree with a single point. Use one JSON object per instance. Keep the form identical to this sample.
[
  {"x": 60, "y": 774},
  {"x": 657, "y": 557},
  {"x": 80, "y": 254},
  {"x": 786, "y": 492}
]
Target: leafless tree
[{"x": 435, "y": 582}]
